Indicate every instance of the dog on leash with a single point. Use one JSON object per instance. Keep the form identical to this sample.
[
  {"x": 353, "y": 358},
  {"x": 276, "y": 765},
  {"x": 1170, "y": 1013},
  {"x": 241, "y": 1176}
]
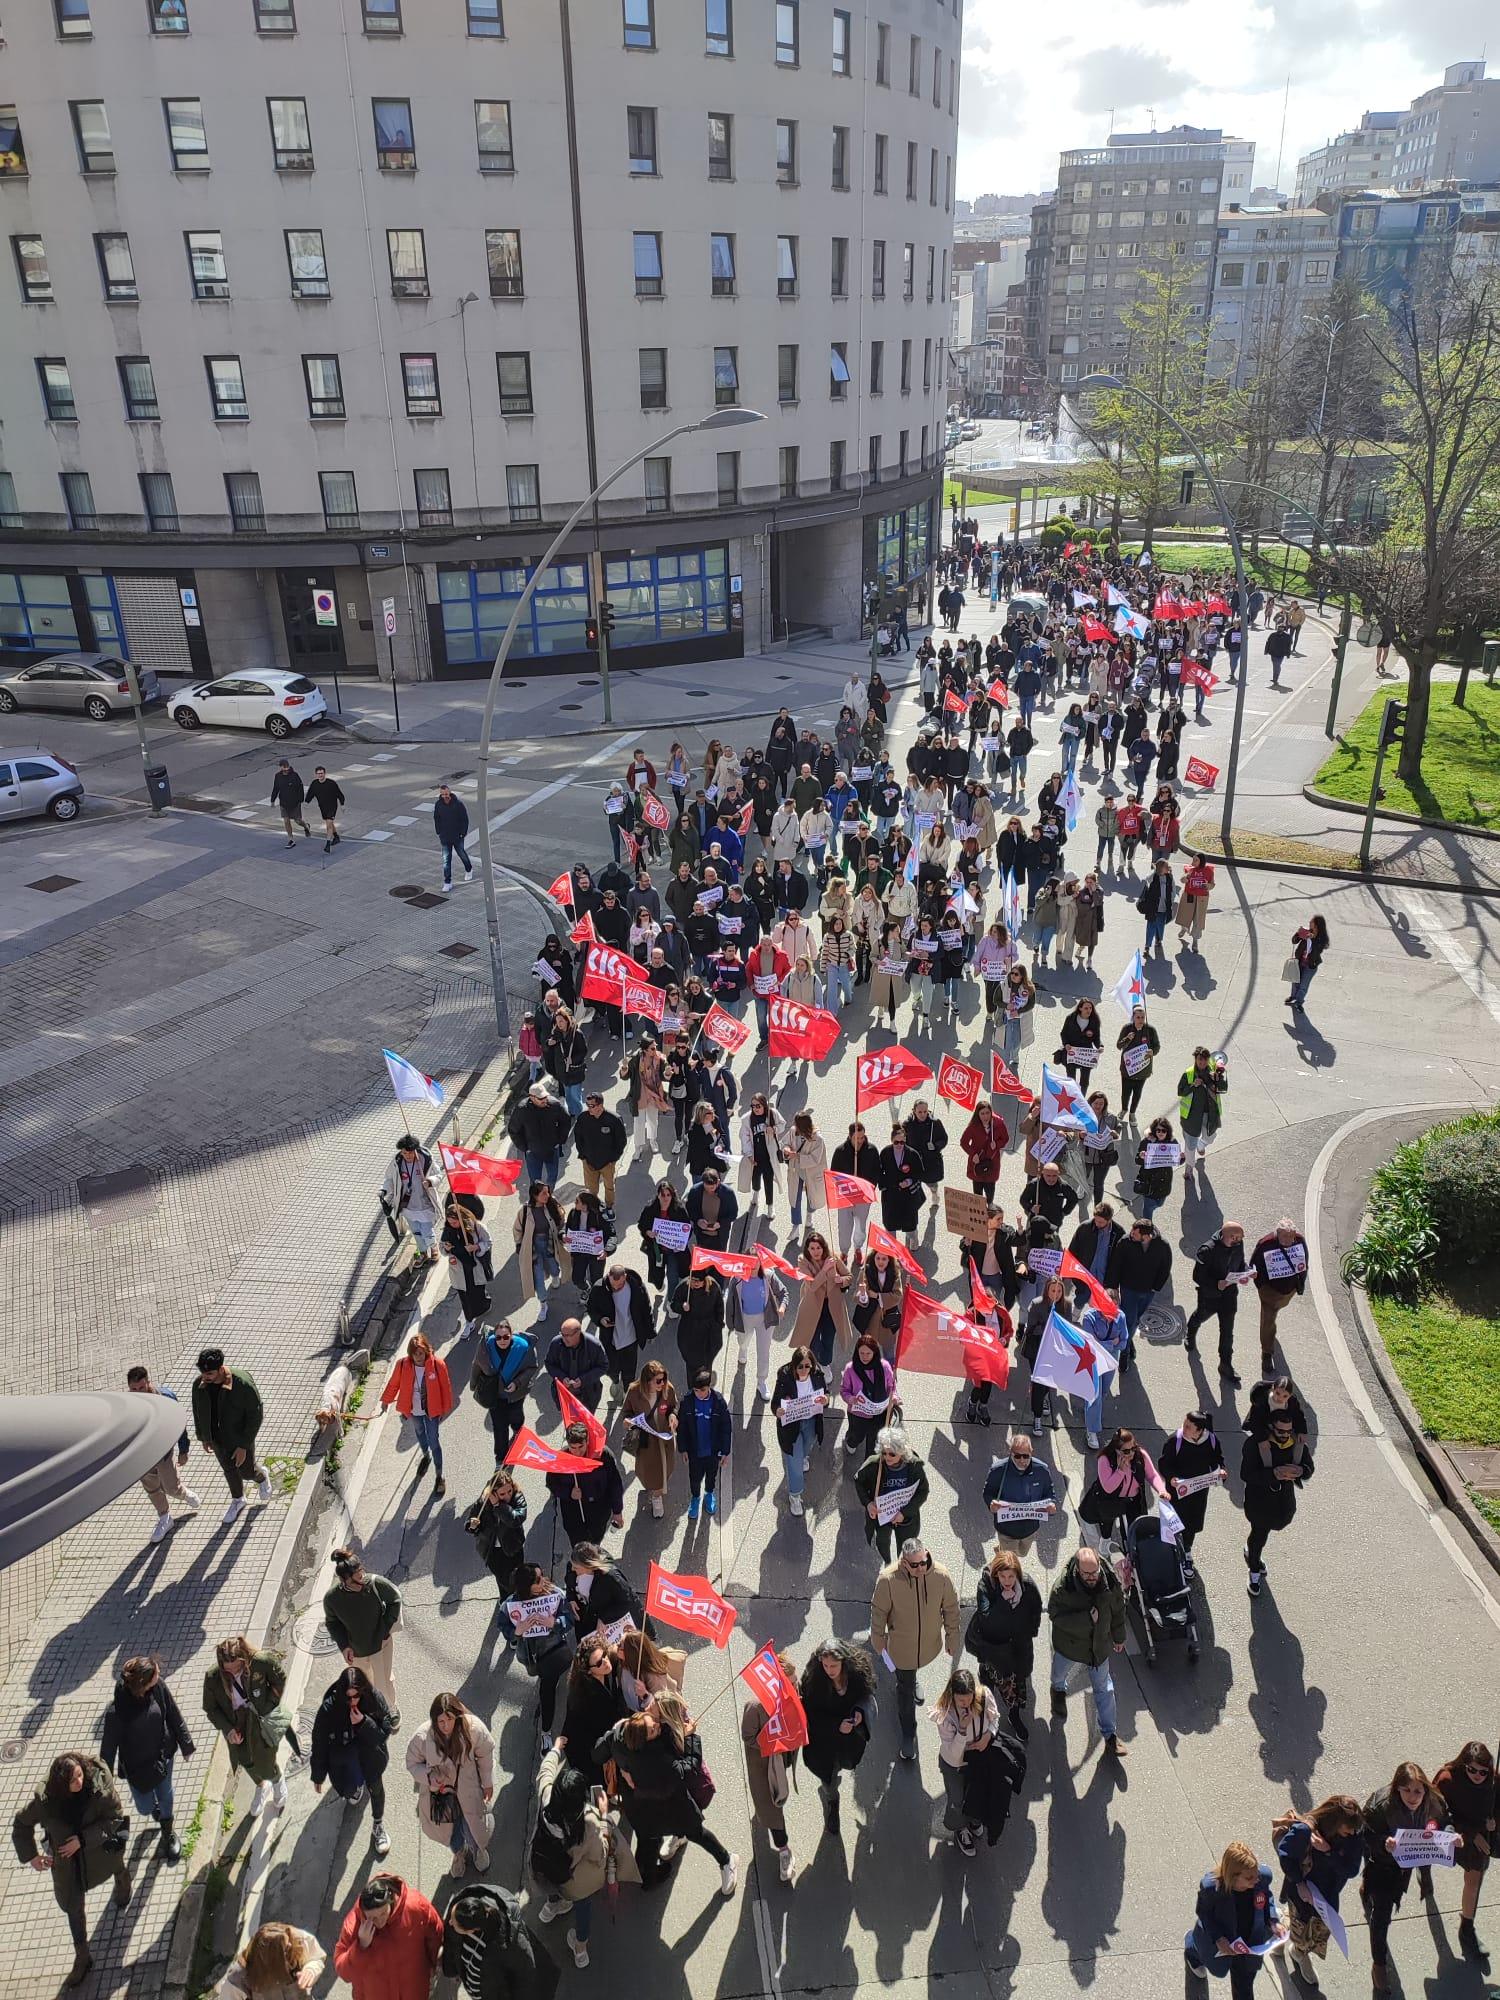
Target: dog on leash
[{"x": 334, "y": 1414}]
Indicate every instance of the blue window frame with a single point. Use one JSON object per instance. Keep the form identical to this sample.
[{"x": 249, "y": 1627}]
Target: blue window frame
[
  {"x": 36, "y": 612},
  {"x": 902, "y": 542},
  {"x": 658, "y": 600},
  {"x": 104, "y": 610},
  {"x": 477, "y": 605}
]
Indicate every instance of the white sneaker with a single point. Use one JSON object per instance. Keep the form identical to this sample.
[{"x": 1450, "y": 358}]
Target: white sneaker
[
  {"x": 380, "y": 1840},
  {"x": 262, "y": 1794},
  {"x": 232, "y": 1512},
  {"x": 190, "y": 1500},
  {"x": 1092, "y": 1439},
  {"x": 447, "y": 888},
  {"x": 579, "y": 1950},
  {"x": 265, "y": 1486},
  {"x": 794, "y": 1503},
  {"x": 729, "y": 1876},
  {"x": 763, "y": 1391},
  {"x": 469, "y": 877},
  {"x": 278, "y": 1795},
  {"x": 785, "y": 1863},
  {"x": 552, "y": 1909},
  {"x": 162, "y": 1529}
]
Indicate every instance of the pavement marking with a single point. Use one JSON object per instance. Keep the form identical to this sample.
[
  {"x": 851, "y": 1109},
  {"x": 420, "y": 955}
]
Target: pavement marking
[
  {"x": 385, "y": 757},
  {"x": 765, "y": 1946},
  {"x": 403, "y": 819},
  {"x": 241, "y": 812},
  {"x": 1484, "y": 989},
  {"x": 550, "y": 791},
  {"x": 377, "y": 834}
]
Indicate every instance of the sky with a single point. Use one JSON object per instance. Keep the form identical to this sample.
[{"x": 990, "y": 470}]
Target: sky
[{"x": 1038, "y": 80}]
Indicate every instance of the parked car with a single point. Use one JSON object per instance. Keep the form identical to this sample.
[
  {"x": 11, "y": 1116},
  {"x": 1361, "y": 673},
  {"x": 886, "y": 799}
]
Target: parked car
[
  {"x": 94, "y": 684},
  {"x": 34, "y": 781},
  {"x": 970, "y": 431},
  {"x": 265, "y": 699}
]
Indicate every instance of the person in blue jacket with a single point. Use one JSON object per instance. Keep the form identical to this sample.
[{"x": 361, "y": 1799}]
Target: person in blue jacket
[
  {"x": 1236, "y": 1915},
  {"x": 1019, "y": 1479},
  {"x": 1320, "y": 1849},
  {"x": 705, "y": 1433}
]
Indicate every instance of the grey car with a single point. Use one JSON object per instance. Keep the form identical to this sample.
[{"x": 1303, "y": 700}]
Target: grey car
[
  {"x": 92, "y": 684},
  {"x": 35, "y": 781}
]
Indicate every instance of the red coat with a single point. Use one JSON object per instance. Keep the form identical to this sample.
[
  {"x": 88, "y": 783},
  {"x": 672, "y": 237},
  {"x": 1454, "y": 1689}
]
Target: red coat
[
  {"x": 399, "y": 1961},
  {"x": 984, "y": 1154},
  {"x": 438, "y": 1387}
]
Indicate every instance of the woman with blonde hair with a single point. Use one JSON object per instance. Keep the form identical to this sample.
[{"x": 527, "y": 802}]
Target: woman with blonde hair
[
  {"x": 1235, "y": 1921},
  {"x": 822, "y": 1316},
  {"x": 451, "y": 1759},
  {"x": 968, "y": 1721},
  {"x": 280, "y": 1962},
  {"x": 242, "y": 1698},
  {"x": 1002, "y": 1632},
  {"x": 652, "y": 1441},
  {"x": 648, "y": 1669},
  {"x": 664, "y": 1787}
]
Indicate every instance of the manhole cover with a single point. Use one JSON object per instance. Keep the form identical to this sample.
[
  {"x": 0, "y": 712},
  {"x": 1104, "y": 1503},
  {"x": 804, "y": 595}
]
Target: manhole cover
[
  {"x": 194, "y": 805},
  {"x": 50, "y": 884},
  {"x": 408, "y": 889},
  {"x": 515, "y": 684},
  {"x": 569, "y": 707},
  {"x": 697, "y": 694},
  {"x": 1162, "y": 1325},
  {"x": 311, "y": 1635},
  {"x": 781, "y": 677},
  {"x": 426, "y": 900},
  {"x": 12, "y": 1749},
  {"x": 454, "y": 776},
  {"x": 458, "y": 951},
  {"x": 124, "y": 1196}
]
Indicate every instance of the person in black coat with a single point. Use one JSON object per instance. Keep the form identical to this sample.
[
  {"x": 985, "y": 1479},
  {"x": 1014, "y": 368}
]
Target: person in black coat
[
  {"x": 838, "y": 1698},
  {"x": 497, "y": 1521},
  {"x": 1271, "y": 1470},
  {"x": 287, "y": 795},
  {"x": 898, "y": 1175},
  {"x": 1080, "y": 1030},
  {"x": 1214, "y": 1269},
  {"x": 595, "y": 1703},
  {"x": 1187, "y": 1453},
  {"x": 484, "y": 1923},
  {"x": 699, "y": 1305},
  {"x": 1002, "y": 1632},
  {"x": 598, "y": 1596},
  {"x": 143, "y": 1733},
  {"x": 349, "y": 1733},
  {"x": 1139, "y": 1268},
  {"x": 622, "y": 1293},
  {"x": 928, "y": 1138},
  {"x": 588, "y": 1502},
  {"x": 1094, "y": 1243}
]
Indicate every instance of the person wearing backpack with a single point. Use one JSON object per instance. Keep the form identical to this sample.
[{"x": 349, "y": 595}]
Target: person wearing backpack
[
  {"x": 143, "y": 1732},
  {"x": 576, "y": 1849}
]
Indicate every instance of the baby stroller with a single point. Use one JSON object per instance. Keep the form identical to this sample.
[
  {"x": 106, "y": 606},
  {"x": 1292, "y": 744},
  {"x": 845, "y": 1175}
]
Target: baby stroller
[{"x": 1156, "y": 1583}]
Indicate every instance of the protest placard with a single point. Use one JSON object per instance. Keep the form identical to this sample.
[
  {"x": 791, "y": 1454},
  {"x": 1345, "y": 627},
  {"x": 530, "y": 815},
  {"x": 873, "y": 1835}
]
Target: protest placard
[{"x": 965, "y": 1213}]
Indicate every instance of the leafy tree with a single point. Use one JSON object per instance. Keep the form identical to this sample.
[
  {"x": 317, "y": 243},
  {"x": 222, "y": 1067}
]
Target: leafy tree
[{"x": 1334, "y": 390}]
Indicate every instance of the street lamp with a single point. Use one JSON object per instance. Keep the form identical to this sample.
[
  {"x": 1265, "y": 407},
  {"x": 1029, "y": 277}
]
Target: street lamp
[
  {"x": 716, "y": 420},
  {"x": 1105, "y": 381}
]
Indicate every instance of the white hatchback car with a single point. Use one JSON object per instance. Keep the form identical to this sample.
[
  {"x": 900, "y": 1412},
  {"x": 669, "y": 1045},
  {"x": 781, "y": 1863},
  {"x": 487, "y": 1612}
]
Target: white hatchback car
[{"x": 263, "y": 699}]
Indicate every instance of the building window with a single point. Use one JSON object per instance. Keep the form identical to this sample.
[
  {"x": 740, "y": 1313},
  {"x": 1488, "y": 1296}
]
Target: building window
[
  {"x": 382, "y": 17},
  {"x": 325, "y": 388},
  {"x": 786, "y": 151},
  {"x": 31, "y": 267},
  {"x": 206, "y": 266},
  {"x": 786, "y": 267},
  {"x": 926, "y": 367},
  {"x": 841, "y": 157},
  {"x": 96, "y": 153},
  {"x": 842, "y": 53},
  {"x": 718, "y": 27},
  {"x": 78, "y": 498},
  {"x": 914, "y": 66},
  {"x": 877, "y": 269},
  {"x": 839, "y": 267},
  {"x": 877, "y": 367},
  {"x": 514, "y": 371},
  {"x": 931, "y": 271},
  {"x": 502, "y": 250},
  {"x": 1316, "y": 270},
  {"x": 492, "y": 127},
  {"x": 838, "y": 371},
  {"x": 932, "y": 177},
  {"x": 937, "y": 80},
  {"x": 275, "y": 17},
  {"x": 395, "y": 146},
  {"x": 787, "y": 35},
  {"x": 10, "y": 517},
  {"x": 226, "y": 386},
  {"x": 307, "y": 263},
  {"x": 12, "y": 151},
  {"x": 434, "y": 497},
  {"x": 652, "y": 363},
  {"x": 291, "y": 135},
  {"x": 640, "y": 24},
  {"x": 477, "y": 603},
  {"x": 883, "y": 54},
  {"x": 913, "y": 153},
  {"x": 159, "y": 502},
  {"x": 681, "y": 594},
  {"x": 836, "y": 455},
  {"x": 247, "y": 510},
  {"x": 729, "y": 478},
  {"x": 406, "y": 252},
  {"x": 73, "y": 19},
  {"x": 726, "y": 376},
  {"x": 787, "y": 468},
  {"x": 924, "y": 447},
  {"x": 906, "y": 367},
  {"x": 952, "y": 88},
  {"x": 647, "y": 250},
  {"x": 485, "y": 18},
  {"x": 720, "y": 146},
  {"x": 138, "y": 385},
  {"x": 57, "y": 392},
  {"x": 419, "y": 383},
  {"x": 721, "y": 265},
  {"x": 186, "y": 134},
  {"x": 908, "y": 271},
  {"x": 523, "y": 493},
  {"x": 903, "y": 449},
  {"x": 786, "y": 374},
  {"x": 874, "y": 461},
  {"x": 658, "y": 485},
  {"x": 882, "y": 147},
  {"x": 640, "y": 138},
  {"x": 340, "y": 501},
  {"x": 1185, "y": 488}
]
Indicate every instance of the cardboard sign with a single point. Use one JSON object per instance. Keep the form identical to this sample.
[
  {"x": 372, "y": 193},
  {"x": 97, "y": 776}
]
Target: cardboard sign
[
  {"x": 1283, "y": 1266},
  {"x": 585, "y": 1242},
  {"x": 671, "y": 1235},
  {"x": 965, "y": 1213},
  {"x": 891, "y": 1501},
  {"x": 532, "y": 1616},
  {"x": 545, "y": 972}
]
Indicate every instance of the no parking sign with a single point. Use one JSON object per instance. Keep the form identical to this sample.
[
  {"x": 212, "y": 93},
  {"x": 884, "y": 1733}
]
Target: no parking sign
[{"x": 325, "y": 610}]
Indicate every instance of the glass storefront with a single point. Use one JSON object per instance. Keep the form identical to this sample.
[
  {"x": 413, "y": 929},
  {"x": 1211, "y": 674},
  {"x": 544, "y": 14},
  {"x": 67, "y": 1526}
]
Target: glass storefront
[
  {"x": 902, "y": 542},
  {"x": 42, "y": 613},
  {"x": 657, "y": 600},
  {"x": 662, "y": 599}
]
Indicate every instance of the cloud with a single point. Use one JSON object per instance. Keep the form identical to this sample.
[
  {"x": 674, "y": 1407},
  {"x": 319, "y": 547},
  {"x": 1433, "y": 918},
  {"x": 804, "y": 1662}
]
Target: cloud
[{"x": 1117, "y": 79}]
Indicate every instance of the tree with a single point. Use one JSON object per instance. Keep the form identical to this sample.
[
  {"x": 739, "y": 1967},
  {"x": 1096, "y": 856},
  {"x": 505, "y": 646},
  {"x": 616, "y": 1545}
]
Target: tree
[
  {"x": 1334, "y": 390},
  {"x": 1437, "y": 567}
]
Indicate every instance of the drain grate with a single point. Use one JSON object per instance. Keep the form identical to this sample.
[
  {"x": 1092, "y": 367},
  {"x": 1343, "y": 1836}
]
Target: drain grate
[
  {"x": 427, "y": 900},
  {"x": 454, "y": 776},
  {"x": 458, "y": 950},
  {"x": 50, "y": 884},
  {"x": 127, "y": 1195}
]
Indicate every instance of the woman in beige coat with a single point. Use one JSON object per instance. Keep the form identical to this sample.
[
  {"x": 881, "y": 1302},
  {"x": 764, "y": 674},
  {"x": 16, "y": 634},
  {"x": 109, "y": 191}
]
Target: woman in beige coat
[
  {"x": 837, "y": 902},
  {"x": 822, "y": 1315},
  {"x": 652, "y": 1397},
  {"x": 538, "y": 1233},
  {"x": 280, "y": 1962},
  {"x": 806, "y": 1163},
  {"x": 452, "y": 1757},
  {"x": 576, "y": 1816},
  {"x": 767, "y": 1778}
]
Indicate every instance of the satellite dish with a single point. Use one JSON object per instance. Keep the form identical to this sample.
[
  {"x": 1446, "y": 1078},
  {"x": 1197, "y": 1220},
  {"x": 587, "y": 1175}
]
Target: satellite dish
[{"x": 63, "y": 1458}]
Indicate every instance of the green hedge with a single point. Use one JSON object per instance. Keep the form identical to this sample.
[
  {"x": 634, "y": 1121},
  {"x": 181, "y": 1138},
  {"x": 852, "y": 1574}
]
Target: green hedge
[{"x": 1436, "y": 1198}]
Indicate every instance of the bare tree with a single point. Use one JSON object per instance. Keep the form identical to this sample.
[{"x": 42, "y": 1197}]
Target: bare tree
[{"x": 1334, "y": 390}]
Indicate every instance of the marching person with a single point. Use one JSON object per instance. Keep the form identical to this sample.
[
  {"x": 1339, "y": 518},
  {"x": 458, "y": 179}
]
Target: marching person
[
  {"x": 799, "y": 1418},
  {"x": 143, "y": 1732},
  {"x": 1409, "y": 1803},
  {"x": 838, "y": 1698},
  {"x": 450, "y": 820},
  {"x": 588, "y": 1502},
  {"x": 892, "y": 1483},
  {"x": 575, "y": 1850},
  {"x": 497, "y": 1521},
  {"x": 422, "y": 1390},
  {"x": 1002, "y": 1632},
  {"x": 362, "y": 1611},
  {"x": 1200, "y": 1108},
  {"x": 1021, "y": 1480},
  {"x": 1127, "y": 1474},
  {"x": 767, "y": 1777},
  {"x": 349, "y": 1733},
  {"x": 408, "y": 1194},
  {"x": 451, "y": 1761},
  {"x": 1191, "y": 1452},
  {"x": 242, "y": 1698},
  {"x": 1279, "y": 1261},
  {"x": 1272, "y": 1468},
  {"x": 1467, "y": 1788},
  {"x": 280, "y": 1962},
  {"x": 326, "y": 798},
  {"x": 1309, "y": 944},
  {"x": 1215, "y": 1277},
  {"x": 705, "y": 1433},
  {"x": 471, "y": 1271},
  {"x": 1087, "y": 1609},
  {"x": 650, "y": 1414},
  {"x": 1236, "y": 1919},
  {"x": 659, "y": 1755},
  {"x": 391, "y": 1942},
  {"x": 822, "y": 1320},
  {"x": 162, "y": 1482},
  {"x": 76, "y": 1811},
  {"x": 227, "y": 1416},
  {"x": 502, "y": 1371},
  {"x": 1135, "y": 1067},
  {"x": 913, "y": 1615},
  {"x": 968, "y": 1721},
  {"x": 1320, "y": 1849}
]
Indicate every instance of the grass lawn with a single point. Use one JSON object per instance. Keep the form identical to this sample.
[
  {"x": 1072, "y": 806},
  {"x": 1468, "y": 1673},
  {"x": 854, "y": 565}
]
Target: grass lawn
[
  {"x": 1266, "y": 567},
  {"x": 974, "y": 496},
  {"x": 1448, "y": 1358},
  {"x": 1460, "y": 760}
]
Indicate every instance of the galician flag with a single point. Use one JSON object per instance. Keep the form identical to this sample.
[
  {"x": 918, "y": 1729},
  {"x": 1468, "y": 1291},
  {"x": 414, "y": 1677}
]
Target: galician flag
[
  {"x": 1114, "y": 595},
  {"x": 409, "y": 1083},
  {"x": 1068, "y": 1361},
  {"x": 1064, "y": 1104},
  {"x": 1071, "y": 801},
  {"x": 1131, "y": 622},
  {"x": 1014, "y": 914},
  {"x": 1129, "y": 990}
]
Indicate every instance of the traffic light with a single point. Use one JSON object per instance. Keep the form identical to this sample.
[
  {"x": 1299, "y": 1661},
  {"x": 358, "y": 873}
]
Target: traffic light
[
  {"x": 1392, "y": 724},
  {"x": 608, "y": 615},
  {"x": 591, "y": 634}
]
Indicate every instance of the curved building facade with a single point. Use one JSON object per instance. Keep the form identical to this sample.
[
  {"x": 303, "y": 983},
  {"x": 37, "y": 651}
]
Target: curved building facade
[{"x": 320, "y": 316}]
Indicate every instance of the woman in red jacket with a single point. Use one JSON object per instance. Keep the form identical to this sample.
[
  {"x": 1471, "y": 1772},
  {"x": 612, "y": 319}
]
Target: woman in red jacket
[
  {"x": 984, "y": 1141},
  {"x": 420, "y": 1387},
  {"x": 391, "y": 1942}
]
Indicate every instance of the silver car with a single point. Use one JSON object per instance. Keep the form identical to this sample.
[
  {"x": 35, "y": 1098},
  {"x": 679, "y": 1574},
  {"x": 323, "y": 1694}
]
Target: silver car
[
  {"x": 92, "y": 684},
  {"x": 35, "y": 781}
]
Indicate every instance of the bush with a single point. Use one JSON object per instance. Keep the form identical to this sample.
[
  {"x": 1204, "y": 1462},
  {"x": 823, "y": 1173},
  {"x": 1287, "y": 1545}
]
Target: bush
[
  {"x": 1461, "y": 1173},
  {"x": 1058, "y": 531}
]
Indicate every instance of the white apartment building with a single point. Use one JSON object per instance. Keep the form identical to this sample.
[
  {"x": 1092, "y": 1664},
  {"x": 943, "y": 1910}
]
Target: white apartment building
[
  {"x": 1274, "y": 270},
  {"x": 357, "y": 299},
  {"x": 1451, "y": 132},
  {"x": 1361, "y": 158}
]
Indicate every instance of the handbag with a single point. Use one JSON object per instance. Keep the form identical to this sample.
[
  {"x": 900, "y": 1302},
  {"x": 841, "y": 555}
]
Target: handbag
[
  {"x": 1291, "y": 971},
  {"x": 114, "y": 1840},
  {"x": 442, "y": 1808},
  {"x": 699, "y": 1785},
  {"x": 1097, "y": 1507}
]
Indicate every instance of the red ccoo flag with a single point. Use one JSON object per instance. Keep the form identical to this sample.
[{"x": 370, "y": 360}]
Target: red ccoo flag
[
  {"x": 959, "y": 1082},
  {"x": 935, "y": 1340},
  {"x": 846, "y": 1190},
  {"x": 797, "y": 1033},
  {"x": 891, "y": 1072},
  {"x": 724, "y": 1029},
  {"x": 1071, "y": 1268},
  {"x": 771, "y": 1260},
  {"x": 574, "y": 1412},
  {"x": 478, "y": 1173},
  {"x": 877, "y": 1238},
  {"x": 561, "y": 891},
  {"x": 732, "y": 1263},
  {"x": 1005, "y": 1083},
  {"x": 777, "y": 1693},
  {"x": 528, "y": 1451},
  {"x": 1093, "y": 631},
  {"x": 691, "y": 1604}
]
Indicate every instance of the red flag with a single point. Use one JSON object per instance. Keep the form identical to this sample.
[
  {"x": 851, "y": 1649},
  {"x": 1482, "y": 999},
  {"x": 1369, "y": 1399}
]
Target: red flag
[
  {"x": 1068, "y": 548},
  {"x": 732, "y": 1263},
  {"x": 478, "y": 1173},
  {"x": 605, "y": 971},
  {"x": 980, "y": 1297},
  {"x": 631, "y": 845},
  {"x": 846, "y": 1190},
  {"x": 1195, "y": 674},
  {"x": 1199, "y": 773},
  {"x": 1093, "y": 631},
  {"x": 747, "y": 820},
  {"x": 1217, "y": 605},
  {"x": 574, "y": 1412},
  {"x": 583, "y": 931},
  {"x": 998, "y": 693},
  {"x": 648, "y": 1000},
  {"x": 954, "y": 703},
  {"x": 877, "y": 1238},
  {"x": 561, "y": 891},
  {"x": 1071, "y": 1268},
  {"x": 959, "y": 1082},
  {"x": 771, "y": 1260},
  {"x": 1005, "y": 1083},
  {"x": 777, "y": 1693},
  {"x": 527, "y": 1451},
  {"x": 691, "y": 1604},
  {"x": 654, "y": 813},
  {"x": 797, "y": 1033},
  {"x": 935, "y": 1340},
  {"x": 724, "y": 1029},
  {"x": 890, "y": 1073}
]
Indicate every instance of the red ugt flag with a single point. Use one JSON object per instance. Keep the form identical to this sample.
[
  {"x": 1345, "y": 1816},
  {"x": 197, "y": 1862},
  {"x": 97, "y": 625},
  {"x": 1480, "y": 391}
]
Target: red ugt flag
[
  {"x": 1005, "y": 1083},
  {"x": 768, "y": 1680},
  {"x": 797, "y": 1033},
  {"x": 732, "y": 1263},
  {"x": 528, "y": 1452},
  {"x": 954, "y": 703},
  {"x": 574, "y": 1412},
  {"x": 959, "y": 1082},
  {"x": 998, "y": 693},
  {"x": 583, "y": 931},
  {"x": 605, "y": 969},
  {"x": 478, "y": 1173},
  {"x": 724, "y": 1029},
  {"x": 935, "y": 1340},
  {"x": 691, "y": 1604},
  {"x": 890, "y": 1073},
  {"x": 877, "y": 1238},
  {"x": 561, "y": 891},
  {"x": 846, "y": 1190}
]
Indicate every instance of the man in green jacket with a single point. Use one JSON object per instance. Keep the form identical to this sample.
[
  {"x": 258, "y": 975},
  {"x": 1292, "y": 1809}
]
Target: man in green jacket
[
  {"x": 1087, "y": 1609},
  {"x": 227, "y": 1416},
  {"x": 362, "y": 1612}
]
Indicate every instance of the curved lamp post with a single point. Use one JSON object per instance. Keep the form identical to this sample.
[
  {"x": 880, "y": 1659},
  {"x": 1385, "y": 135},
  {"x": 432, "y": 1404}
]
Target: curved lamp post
[
  {"x": 716, "y": 420},
  {"x": 63, "y": 1457},
  {"x": 1106, "y": 381}
]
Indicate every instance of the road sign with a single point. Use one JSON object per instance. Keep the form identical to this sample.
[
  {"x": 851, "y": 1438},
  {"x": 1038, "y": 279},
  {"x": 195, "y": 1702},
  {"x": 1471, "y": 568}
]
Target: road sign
[
  {"x": 325, "y": 609},
  {"x": 388, "y": 614}
]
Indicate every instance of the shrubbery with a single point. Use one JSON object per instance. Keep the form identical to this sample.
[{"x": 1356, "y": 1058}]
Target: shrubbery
[{"x": 1440, "y": 1195}]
